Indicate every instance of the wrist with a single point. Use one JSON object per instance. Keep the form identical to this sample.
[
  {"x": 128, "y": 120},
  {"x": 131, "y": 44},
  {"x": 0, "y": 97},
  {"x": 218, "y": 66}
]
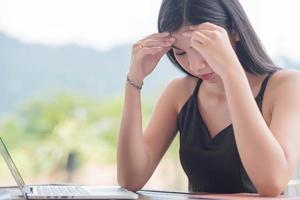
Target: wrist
[
  {"x": 134, "y": 83},
  {"x": 135, "y": 77},
  {"x": 233, "y": 70}
]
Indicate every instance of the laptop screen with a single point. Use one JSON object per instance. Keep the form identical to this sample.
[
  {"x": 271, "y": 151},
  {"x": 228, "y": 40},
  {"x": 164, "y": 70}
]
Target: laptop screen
[{"x": 11, "y": 165}]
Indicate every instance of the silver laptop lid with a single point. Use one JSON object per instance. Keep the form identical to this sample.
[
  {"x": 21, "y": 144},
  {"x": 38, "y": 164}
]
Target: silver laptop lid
[{"x": 11, "y": 165}]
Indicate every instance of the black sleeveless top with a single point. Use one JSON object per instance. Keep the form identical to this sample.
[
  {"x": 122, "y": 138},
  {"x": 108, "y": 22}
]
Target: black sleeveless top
[{"x": 211, "y": 164}]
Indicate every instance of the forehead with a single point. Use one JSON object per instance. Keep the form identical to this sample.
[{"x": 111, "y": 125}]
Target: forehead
[
  {"x": 180, "y": 31},
  {"x": 181, "y": 42}
]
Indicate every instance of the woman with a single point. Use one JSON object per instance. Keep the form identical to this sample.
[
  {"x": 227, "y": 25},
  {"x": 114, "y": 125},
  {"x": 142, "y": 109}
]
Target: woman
[{"x": 236, "y": 112}]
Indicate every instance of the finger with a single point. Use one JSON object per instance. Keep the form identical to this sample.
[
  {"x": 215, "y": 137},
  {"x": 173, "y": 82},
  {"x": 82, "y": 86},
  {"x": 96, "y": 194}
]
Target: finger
[
  {"x": 165, "y": 43},
  {"x": 150, "y": 50},
  {"x": 163, "y": 34},
  {"x": 149, "y": 44},
  {"x": 137, "y": 49},
  {"x": 162, "y": 51},
  {"x": 158, "y": 35},
  {"x": 138, "y": 45},
  {"x": 197, "y": 35},
  {"x": 162, "y": 42},
  {"x": 197, "y": 46},
  {"x": 205, "y": 25},
  {"x": 167, "y": 38},
  {"x": 212, "y": 35},
  {"x": 207, "y": 34}
]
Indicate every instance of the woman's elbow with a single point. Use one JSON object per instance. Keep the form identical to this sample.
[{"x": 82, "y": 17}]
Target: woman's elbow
[
  {"x": 271, "y": 190},
  {"x": 129, "y": 185}
]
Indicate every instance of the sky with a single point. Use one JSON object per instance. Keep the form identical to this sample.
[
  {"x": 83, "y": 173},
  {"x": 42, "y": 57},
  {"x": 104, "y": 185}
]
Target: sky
[{"x": 103, "y": 24}]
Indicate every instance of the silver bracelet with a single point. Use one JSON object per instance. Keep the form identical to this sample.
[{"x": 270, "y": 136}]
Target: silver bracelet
[{"x": 134, "y": 84}]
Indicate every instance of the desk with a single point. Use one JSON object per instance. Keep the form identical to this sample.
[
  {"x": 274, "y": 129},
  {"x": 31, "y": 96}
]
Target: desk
[{"x": 162, "y": 195}]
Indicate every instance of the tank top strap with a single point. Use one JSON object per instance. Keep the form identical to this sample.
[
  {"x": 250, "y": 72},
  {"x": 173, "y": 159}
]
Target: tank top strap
[
  {"x": 195, "y": 92},
  {"x": 264, "y": 85}
]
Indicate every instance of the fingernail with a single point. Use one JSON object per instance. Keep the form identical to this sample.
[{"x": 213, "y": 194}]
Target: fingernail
[
  {"x": 172, "y": 39},
  {"x": 165, "y": 33}
]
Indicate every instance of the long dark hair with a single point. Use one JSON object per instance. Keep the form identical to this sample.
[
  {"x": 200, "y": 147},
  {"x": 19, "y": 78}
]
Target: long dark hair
[{"x": 228, "y": 14}]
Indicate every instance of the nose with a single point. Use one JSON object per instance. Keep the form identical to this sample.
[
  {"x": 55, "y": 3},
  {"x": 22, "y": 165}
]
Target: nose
[{"x": 196, "y": 63}]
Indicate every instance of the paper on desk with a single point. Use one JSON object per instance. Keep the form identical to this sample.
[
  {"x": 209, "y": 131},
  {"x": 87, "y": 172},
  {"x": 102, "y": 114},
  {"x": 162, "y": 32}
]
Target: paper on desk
[{"x": 4, "y": 195}]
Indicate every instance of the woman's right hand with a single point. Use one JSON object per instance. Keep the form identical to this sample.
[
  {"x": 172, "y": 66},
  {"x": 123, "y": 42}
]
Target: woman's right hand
[{"x": 146, "y": 53}]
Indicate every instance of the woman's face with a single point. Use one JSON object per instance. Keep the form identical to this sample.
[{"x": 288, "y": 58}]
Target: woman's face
[{"x": 190, "y": 59}]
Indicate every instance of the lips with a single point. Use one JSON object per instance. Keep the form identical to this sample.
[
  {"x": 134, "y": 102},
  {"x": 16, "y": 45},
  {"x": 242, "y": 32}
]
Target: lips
[{"x": 206, "y": 76}]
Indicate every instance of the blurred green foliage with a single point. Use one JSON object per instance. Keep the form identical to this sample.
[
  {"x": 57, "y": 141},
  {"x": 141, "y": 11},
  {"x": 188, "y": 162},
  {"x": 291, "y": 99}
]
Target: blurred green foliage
[{"x": 43, "y": 132}]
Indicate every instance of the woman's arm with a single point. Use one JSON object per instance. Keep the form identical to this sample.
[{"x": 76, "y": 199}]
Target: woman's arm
[
  {"x": 138, "y": 153},
  {"x": 269, "y": 154}
]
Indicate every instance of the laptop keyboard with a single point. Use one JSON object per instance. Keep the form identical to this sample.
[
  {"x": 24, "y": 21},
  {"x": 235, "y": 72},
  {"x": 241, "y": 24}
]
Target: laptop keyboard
[{"x": 61, "y": 190}]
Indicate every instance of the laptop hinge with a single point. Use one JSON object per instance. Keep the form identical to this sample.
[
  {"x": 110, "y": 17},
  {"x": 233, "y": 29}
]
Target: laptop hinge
[{"x": 28, "y": 190}]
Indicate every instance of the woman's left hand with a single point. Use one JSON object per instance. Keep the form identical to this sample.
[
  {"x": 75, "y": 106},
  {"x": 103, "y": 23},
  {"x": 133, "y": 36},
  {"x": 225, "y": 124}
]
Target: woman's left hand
[{"x": 213, "y": 43}]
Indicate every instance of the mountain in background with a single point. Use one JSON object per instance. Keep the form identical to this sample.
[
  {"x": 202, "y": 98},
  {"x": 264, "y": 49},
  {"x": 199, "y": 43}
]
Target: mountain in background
[{"x": 28, "y": 70}]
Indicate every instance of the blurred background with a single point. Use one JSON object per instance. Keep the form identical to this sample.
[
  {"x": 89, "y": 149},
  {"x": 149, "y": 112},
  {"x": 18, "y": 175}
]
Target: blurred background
[{"x": 63, "y": 65}]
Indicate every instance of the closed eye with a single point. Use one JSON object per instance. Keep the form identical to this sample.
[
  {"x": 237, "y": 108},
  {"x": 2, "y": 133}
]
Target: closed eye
[{"x": 180, "y": 54}]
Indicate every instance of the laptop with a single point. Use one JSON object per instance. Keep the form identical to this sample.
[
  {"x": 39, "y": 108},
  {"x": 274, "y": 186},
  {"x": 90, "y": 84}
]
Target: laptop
[{"x": 63, "y": 191}]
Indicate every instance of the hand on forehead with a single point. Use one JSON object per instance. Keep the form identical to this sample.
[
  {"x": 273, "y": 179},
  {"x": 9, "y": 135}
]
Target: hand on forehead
[
  {"x": 184, "y": 42},
  {"x": 181, "y": 42}
]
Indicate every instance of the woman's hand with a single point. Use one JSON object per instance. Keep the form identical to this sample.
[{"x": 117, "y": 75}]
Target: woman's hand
[
  {"x": 213, "y": 43},
  {"x": 146, "y": 53}
]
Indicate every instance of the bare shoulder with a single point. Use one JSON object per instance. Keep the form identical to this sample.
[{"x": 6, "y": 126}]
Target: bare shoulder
[
  {"x": 287, "y": 79},
  {"x": 180, "y": 89},
  {"x": 284, "y": 82}
]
